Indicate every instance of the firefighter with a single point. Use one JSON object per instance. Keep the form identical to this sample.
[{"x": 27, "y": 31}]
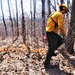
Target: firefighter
[{"x": 54, "y": 30}]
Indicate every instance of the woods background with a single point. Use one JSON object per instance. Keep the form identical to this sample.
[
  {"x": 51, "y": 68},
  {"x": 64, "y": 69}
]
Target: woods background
[
  {"x": 30, "y": 26},
  {"x": 22, "y": 46}
]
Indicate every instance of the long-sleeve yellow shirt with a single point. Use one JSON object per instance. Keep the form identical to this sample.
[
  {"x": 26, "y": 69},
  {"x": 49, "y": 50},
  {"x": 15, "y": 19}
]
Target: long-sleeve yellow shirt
[{"x": 58, "y": 18}]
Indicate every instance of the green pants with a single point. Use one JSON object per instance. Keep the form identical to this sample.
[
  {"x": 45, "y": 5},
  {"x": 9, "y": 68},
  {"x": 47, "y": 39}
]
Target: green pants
[{"x": 54, "y": 41}]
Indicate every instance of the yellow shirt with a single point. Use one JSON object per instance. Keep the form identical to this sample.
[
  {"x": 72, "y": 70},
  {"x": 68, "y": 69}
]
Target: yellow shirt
[{"x": 58, "y": 18}]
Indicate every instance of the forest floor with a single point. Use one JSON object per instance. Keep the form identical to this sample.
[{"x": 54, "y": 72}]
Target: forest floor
[{"x": 18, "y": 59}]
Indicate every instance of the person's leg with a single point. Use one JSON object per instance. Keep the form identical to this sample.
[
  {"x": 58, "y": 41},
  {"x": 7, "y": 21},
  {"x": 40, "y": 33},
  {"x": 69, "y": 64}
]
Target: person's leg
[
  {"x": 60, "y": 40},
  {"x": 52, "y": 43}
]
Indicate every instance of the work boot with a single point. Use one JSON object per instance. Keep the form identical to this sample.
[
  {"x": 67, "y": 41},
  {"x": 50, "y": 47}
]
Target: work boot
[{"x": 46, "y": 65}]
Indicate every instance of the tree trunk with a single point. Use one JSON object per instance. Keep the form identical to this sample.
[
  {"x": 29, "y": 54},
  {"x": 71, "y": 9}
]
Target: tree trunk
[
  {"x": 71, "y": 33},
  {"x": 55, "y": 4},
  {"x": 43, "y": 17},
  {"x": 17, "y": 19},
  {"x": 62, "y": 1},
  {"x": 49, "y": 9},
  {"x": 23, "y": 24},
  {"x": 11, "y": 20},
  {"x": 34, "y": 4},
  {"x": 31, "y": 15},
  {"x": 3, "y": 19}
]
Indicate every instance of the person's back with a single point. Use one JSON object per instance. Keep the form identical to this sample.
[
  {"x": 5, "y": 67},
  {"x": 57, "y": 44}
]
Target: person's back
[{"x": 58, "y": 18}]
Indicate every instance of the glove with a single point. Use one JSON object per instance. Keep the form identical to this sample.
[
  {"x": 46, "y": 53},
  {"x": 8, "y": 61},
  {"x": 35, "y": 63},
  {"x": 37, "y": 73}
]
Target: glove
[
  {"x": 45, "y": 38},
  {"x": 63, "y": 37}
]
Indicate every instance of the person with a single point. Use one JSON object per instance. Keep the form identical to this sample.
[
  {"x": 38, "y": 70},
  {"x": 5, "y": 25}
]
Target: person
[{"x": 54, "y": 26}]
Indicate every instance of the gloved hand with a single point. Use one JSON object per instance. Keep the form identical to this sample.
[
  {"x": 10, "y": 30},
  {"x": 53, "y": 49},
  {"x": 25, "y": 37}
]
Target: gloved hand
[
  {"x": 63, "y": 37},
  {"x": 45, "y": 38}
]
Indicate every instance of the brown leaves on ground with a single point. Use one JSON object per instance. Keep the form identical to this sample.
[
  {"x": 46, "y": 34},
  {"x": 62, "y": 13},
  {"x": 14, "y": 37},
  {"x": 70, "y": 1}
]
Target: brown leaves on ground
[
  {"x": 18, "y": 59},
  {"x": 22, "y": 47},
  {"x": 14, "y": 60}
]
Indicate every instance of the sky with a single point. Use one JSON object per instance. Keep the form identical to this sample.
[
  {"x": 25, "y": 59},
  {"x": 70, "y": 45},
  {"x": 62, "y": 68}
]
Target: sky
[
  {"x": 26, "y": 4},
  {"x": 12, "y": 6}
]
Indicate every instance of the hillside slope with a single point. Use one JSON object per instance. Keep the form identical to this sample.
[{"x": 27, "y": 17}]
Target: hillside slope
[{"x": 18, "y": 59}]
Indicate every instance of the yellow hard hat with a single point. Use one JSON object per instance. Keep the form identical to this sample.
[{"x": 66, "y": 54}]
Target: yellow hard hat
[{"x": 64, "y": 7}]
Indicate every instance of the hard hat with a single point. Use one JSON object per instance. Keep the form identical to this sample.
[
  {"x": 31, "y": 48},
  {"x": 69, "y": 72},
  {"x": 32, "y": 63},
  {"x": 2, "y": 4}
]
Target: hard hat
[{"x": 63, "y": 7}]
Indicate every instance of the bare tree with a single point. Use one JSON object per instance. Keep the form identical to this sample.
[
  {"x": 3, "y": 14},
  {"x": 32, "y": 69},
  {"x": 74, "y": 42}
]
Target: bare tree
[
  {"x": 55, "y": 4},
  {"x": 17, "y": 19},
  {"x": 49, "y": 9},
  {"x": 31, "y": 15},
  {"x": 3, "y": 18},
  {"x": 71, "y": 33},
  {"x": 34, "y": 3},
  {"x": 11, "y": 20},
  {"x": 68, "y": 15},
  {"x": 23, "y": 24},
  {"x": 43, "y": 17},
  {"x": 62, "y": 1}
]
